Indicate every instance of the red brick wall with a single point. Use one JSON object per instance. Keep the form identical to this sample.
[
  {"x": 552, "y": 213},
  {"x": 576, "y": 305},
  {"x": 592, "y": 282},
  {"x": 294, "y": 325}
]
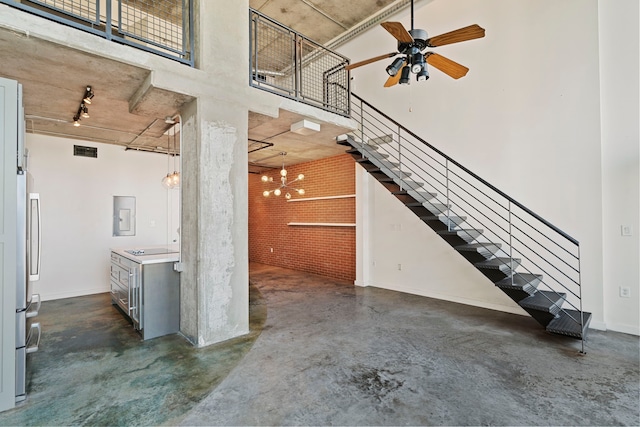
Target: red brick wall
[{"x": 324, "y": 250}]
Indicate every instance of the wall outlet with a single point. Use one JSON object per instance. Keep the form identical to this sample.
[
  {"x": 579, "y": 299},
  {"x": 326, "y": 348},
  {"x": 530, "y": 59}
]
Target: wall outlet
[
  {"x": 625, "y": 292},
  {"x": 399, "y": 267},
  {"x": 625, "y": 230}
]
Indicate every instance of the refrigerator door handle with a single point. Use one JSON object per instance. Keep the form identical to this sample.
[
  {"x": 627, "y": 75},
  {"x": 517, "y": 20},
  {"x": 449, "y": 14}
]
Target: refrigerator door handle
[
  {"x": 34, "y": 208},
  {"x": 33, "y": 311},
  {"x": 33, "y": 348}
]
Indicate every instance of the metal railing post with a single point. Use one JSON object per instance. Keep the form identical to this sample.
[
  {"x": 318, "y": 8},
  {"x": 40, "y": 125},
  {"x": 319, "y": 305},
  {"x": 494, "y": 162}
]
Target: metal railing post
[
  {"x": 580, "y": 298},
  {"x": 510, "y": 243},
  {"x": 400, "y": 159},
  {"x": 109, "y": 18},
  {"x": 446, "y": 171}
]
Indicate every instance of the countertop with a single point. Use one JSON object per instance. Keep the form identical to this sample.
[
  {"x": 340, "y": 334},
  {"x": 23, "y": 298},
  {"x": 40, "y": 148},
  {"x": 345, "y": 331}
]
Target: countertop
[{"x": 149, "y": 259}]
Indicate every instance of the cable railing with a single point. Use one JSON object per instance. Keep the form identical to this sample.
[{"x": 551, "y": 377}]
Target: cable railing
[
  {"x": 162, "y": 27},
  {"x": 529, "y": 245},
  {"x": 289, "y": 64}
]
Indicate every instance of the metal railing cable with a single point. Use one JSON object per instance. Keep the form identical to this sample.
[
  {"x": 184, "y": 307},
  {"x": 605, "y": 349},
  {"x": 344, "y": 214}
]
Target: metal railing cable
[{"x": 540, "y": 248}]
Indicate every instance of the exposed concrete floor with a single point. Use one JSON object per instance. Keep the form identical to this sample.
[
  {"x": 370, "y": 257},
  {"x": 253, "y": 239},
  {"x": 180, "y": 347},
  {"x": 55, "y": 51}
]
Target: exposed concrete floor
[
  {"x": 92, "y": 368},
  {"x": 334, "y": 354},
  {"x": 329, "y": 353}
]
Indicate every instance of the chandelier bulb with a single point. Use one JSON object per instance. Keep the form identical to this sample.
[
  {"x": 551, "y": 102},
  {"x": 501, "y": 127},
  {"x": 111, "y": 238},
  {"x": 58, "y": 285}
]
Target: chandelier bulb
[
  {"x": 283, "y": 172},
  {"x": 300, "y": 177},
  {"x": 288, "y": 196},
  {"x": 265, "y": 178},
  {"x": 265, "y": 193},
  {"x": 277, "y": 192},
  {"x": 301, "y": 191}
]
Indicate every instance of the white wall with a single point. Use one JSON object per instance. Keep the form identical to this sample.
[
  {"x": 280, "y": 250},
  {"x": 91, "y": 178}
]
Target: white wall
[
  {"x": 526, "y": 118},
  {"x": 620, "y": 74},
  {"x": 77, "y": 204}
]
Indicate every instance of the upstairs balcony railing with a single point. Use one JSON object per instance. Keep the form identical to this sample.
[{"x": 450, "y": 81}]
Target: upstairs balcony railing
[
  {"x": 163, "y": 27},
  {"x": 287, "y": 63}
]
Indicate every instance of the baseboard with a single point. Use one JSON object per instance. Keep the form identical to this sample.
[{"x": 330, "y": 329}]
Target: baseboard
[
  {"x": 598, "y": 326},
  {"x": 625, "y": 329},
  {"x": 73, "y": 294},
  {"x": 459, "y": 300}
]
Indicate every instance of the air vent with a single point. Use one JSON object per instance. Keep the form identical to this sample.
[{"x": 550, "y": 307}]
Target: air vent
[{"x": 82, "y": 151}]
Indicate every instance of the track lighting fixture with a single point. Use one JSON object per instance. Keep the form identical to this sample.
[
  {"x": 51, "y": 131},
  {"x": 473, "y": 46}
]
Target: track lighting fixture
[
  {"x": 404, "y": 77},
  {"x": 395, "y": 66},
  {"x": 88, "y": 95},
  {"x": 83, "y": 111}
]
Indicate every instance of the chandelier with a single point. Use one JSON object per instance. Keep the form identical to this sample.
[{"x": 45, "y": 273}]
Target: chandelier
[{"x": 284, "y": 185}]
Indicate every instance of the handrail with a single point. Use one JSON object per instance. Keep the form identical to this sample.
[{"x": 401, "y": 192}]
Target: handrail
[
  {"x": 170, "y": 36},
  {"x": 290, "y": 64},
  {"x": 482, "y": 180}
]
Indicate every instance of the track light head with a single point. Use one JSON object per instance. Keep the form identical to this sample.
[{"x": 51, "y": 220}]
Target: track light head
[
  {"x": 85, "y": 111},
  {"x": 88, "y": 95},
  {"x": 76, "y": 120}
]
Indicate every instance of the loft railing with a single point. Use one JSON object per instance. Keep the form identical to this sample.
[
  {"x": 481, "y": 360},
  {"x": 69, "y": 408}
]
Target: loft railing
[
  {"x": 162, "y": 27},
  {"x": 543, "y": 248},
  {"x": 287, "y": 63}
]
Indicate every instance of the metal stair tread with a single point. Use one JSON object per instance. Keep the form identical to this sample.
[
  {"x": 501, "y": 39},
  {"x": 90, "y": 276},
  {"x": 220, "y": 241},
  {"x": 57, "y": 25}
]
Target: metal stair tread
[
  {"x": 520, "y": 281},
  {"x": 421, "y": 194},
  {"x": 498, "y": 263},
  {"x": 455, "y": 220},
  {"x": 458, "y": 231},
  {"x": 548, "y": 301},
  {"x": 479, "y": 247},
  {"x": 564, "y": 324}
]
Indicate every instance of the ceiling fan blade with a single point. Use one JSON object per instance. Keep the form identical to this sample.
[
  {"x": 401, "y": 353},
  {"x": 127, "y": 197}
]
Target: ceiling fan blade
[
  {"x": 447, "y": 66},
  {"x": 397, "y": 30},
  {"x": 370, "y": 60},
  {"x": 393, "y": 80},
  {"x": 460, "y": 35}
]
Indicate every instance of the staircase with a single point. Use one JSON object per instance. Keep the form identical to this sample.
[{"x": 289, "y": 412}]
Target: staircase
[{"x": 536, "y": 264}]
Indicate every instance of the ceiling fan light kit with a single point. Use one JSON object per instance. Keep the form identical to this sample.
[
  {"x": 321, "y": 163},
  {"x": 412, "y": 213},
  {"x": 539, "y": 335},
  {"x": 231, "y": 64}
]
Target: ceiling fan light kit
[{"x": 411, "y": 45}]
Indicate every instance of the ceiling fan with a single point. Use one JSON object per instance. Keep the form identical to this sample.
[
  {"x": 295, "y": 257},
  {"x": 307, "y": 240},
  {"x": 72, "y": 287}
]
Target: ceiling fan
[{"x": 411, "y": 45}]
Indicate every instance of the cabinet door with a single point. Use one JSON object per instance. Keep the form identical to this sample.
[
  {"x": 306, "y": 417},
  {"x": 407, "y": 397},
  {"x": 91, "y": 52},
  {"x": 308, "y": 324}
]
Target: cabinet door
[{"x": 9, "y": 113}]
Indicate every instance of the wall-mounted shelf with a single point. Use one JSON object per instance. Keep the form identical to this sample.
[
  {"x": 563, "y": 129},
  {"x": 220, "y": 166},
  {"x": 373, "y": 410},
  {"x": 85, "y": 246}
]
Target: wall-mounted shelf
[
  {"x": 346, "y": 196},
  {"x": 323, "y": 224}
]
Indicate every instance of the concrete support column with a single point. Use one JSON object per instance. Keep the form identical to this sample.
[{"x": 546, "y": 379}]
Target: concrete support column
[{"x": 215, "y": 282}]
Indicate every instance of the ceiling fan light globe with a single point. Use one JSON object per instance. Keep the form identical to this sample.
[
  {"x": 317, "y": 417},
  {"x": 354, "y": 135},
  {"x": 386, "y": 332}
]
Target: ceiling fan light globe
[
  {"x": 423, "y": 75},
  {"x": 395, "y": 66}
]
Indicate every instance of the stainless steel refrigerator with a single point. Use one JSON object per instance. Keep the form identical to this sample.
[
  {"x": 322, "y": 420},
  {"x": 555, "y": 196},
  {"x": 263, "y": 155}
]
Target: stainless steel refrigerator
[{"x": 29, "y": 240}]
